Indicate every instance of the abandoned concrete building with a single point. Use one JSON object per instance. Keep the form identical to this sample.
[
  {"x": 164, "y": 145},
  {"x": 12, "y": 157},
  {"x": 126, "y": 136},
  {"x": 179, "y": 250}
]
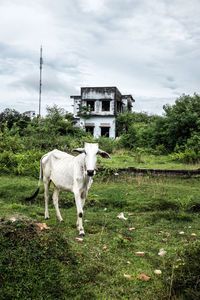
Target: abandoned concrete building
[
  {"x": 30, "y": 114},
  {"x": 101, "y": 106}
]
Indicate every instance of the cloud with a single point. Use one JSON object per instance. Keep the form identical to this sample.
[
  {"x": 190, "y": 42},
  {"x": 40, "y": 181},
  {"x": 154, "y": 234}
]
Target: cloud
[{"x": 147, "y": 48}]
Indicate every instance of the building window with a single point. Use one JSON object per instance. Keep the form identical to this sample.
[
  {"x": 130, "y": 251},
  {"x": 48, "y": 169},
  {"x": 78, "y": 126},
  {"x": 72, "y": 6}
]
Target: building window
[
  {"x": 105, "y": 131},
  {"x": 119, "y": 106},
  {"x": 90, "y": 105},
  {"x": 105, "y": 105},
  {"x": 89, "y": 129}
]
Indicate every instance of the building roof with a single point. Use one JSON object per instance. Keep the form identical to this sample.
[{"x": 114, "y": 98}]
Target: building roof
[{"x": 104, "y": 89}]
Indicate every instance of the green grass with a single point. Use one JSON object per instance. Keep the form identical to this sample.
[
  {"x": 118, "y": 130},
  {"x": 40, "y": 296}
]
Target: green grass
[
  {"x": 131, "y": 159},
  {"x": 155, "y": 206}
]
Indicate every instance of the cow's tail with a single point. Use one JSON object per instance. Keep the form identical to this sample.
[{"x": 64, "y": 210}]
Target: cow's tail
[{"x": 38, "y": 189}]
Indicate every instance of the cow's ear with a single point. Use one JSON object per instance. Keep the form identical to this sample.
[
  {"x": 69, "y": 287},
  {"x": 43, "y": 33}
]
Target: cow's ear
[
  {"x": 104, "y": 154},
  {"x": 79, "y": 150}
]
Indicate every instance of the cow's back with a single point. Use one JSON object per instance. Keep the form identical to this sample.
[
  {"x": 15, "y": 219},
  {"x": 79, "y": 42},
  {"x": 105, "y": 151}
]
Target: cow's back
[{"x": 58, "y": 167}]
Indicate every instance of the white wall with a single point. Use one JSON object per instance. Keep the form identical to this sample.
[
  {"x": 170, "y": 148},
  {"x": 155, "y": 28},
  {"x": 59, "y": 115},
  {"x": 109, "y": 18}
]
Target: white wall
[{"x": 98, "y": 120}]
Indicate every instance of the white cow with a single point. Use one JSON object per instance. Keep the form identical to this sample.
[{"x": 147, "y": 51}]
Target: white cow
[{"x": 69, "y": 173}]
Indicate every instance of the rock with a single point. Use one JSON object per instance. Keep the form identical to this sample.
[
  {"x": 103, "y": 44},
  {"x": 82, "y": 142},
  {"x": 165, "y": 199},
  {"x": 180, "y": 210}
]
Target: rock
[
  {"x": 13, "y": 219},
  {"x": 140, "y": 253},
  {"x": 121, "y": 216},
  {"x": 193, "y": 234},
  {"x": 162, "y": 252},
  {"x": 129, "y": 277},
  {"x": 158, "y": 272},
  {"x": 79, "y": 240},
  {"x": 131, "y": 228}
]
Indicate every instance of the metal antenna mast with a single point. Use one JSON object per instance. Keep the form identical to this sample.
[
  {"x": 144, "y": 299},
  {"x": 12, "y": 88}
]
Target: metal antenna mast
[{"x": 40, "y": 88}]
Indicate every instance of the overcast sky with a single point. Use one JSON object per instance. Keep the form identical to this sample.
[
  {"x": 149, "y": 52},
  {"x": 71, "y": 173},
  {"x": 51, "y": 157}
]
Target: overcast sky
[{"x": 147, "y": 48}]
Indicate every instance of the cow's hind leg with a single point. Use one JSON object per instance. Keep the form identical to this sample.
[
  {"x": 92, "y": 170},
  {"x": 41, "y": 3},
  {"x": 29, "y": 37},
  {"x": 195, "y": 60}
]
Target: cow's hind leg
[
  {"x": 55, "y": 202},
  {"x": 79, "y": 214},
  {"x": 46, "y": 197}
]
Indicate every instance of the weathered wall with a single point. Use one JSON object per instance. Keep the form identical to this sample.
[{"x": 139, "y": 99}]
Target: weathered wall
[
  {"x": 98, "y": 93},
  {"x": 101, "y": 121},
  {"x": 98, "y": 117}
]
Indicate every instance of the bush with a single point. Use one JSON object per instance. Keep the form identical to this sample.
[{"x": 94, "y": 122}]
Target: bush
[
  {"x": 187, "y": 156},
  {"x": 9, "y": 142},
  {"x": 106, "y": 144},
  {"x": 35, "y": 266},
  {"x": 185, "y": 281},
  {"x": 26, "y": 163}
]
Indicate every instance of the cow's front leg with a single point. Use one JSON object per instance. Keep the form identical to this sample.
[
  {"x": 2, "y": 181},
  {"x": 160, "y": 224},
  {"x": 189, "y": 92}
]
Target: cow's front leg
[
  {"x": 55, "y": 202},
  {"x": 83, "y": 198},
  {"x": 79, "y": 214}
]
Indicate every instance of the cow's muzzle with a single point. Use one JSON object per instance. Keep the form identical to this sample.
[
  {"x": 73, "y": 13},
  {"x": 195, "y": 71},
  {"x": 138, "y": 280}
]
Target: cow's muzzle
[{"x": 90, "y": 172}]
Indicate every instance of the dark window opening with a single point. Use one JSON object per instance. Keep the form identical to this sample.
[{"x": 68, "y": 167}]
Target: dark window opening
[
  {"x": 119, "y": 107},
  {"x": 90, "y": 105},
  {"x": 105, "y": 131},
  {"x": 89, "y": 129},
  {"x": 105, "y": 105}
]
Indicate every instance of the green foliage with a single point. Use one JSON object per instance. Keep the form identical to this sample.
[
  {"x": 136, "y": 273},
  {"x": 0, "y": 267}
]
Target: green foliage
[
  {"x": 84, "y": 112},
  {"x": 25, "y": 163},
  {"x": 22, "y": 146},
  {"x": 11, "y": 116},
  {"x": 182, "y": 119},
  {"x": 55, "y": 113},
  {"x": 186, "y": 270},
  {"x": 178, "y": 128},
  {"x": 106, "y": 171},
  {"x": 138, "y": 154},
  {"x": 120, "y": 241},
  {"x": 106, "y": 144},
  {"x": 35, "y": 266},
  {"x": 186, "y": 156},
  {"x": 8, "y": 141},
  {"x": 126, "y": 119},
  {"x": 177, "y": 133},
  {"x": 128, "y": 140},
  {"x": 189, "y": 152},
  {"x": 53, "y": 265}
]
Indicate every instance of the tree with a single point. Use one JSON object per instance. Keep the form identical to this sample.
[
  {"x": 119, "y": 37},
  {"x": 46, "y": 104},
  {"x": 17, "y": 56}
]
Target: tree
[
  {"x": 182, "y": 120},
  {"x": 11, "y": 116},
  {"x": 125, "y": 120},
  {"x": 70, "y": 117},
  {"x": 55, "y": 113}
]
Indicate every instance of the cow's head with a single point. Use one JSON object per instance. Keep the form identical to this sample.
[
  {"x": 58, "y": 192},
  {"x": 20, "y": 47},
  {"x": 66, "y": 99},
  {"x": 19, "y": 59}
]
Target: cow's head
[{"x": 91, "y": 151}]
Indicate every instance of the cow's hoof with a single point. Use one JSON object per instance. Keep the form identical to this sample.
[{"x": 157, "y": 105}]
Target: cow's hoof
[
  {"x": 46, "y": 218},
  {"x": 82, "y": 234}
]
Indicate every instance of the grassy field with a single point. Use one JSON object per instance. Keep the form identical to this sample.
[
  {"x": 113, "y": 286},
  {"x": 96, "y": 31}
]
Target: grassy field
[
  {"x": 123, "y": 159},
  {"x": 52, "y": 265}
]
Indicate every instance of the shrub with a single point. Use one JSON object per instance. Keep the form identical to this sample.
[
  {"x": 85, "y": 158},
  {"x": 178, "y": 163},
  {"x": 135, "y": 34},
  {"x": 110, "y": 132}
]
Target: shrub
[
  {"x": 186, "y": 156},
  {"x": 35, "y": 266},
  {"x": 9, "y": 142},
  {"x": 185, "y": 280},
  {"x": 26, "y": 163},
  {"x": 106, "y": 144}
]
